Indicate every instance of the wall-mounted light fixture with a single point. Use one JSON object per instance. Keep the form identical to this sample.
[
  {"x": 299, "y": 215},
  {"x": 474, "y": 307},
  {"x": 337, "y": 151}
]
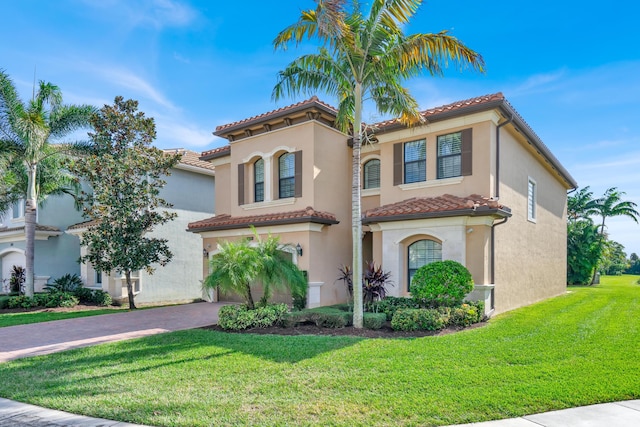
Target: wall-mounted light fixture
[
  {"x": 205, "y": 253},
  {"x": 469, "y": 230},
  {"x": 299, "y": 249}
]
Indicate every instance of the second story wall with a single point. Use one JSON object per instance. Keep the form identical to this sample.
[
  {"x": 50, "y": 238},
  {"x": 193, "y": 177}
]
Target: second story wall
[{"x": 190, "y": 191}]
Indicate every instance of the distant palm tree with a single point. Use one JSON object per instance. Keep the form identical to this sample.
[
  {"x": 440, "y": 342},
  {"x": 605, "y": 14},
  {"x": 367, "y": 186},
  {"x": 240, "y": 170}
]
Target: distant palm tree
[
  {"x": 365, "y": 56},
  {"x": 611, "y": 205},
  {"x": 26, "y": 131}
]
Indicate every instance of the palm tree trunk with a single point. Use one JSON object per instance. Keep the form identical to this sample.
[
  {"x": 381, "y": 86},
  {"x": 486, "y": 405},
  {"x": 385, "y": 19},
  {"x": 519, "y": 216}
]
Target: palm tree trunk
[
  {"x": 250, "y": 304},
  {"x": 30, "y": 217},
  {"x": 356, "y": 210},
  {"x": 132, "y": 304}
]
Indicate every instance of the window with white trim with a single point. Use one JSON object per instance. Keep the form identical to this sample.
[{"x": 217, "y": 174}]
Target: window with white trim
[
  {"x": 371, "y": 174},
  {"x": 415, "y": 161},
  {"x": 450, "y": 155},
  {"x": 258, "y": 180},
  {"x": 17, "y": 209},
  {"x": 532, "y": 196},
  {"x": 421, "y": 253}
]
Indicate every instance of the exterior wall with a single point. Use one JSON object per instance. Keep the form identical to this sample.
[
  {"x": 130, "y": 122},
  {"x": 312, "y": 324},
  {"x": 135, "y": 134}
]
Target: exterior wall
[
  {"x": 480, "y": 182},
  {"x": 190, "y": 191},
  {"x": 223, "y": 184},
  {"x": 530, "y": 256}
]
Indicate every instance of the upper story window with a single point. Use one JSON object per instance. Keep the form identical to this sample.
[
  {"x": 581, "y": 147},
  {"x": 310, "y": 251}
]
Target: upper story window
[
  {"x": 415, "y": 161},
  {"x": 286, "y": 175},
  {"x": 372, "y": 174},
  {"x": 532, "y": 197},
  {"x": 450, "y": 155},
  {"x": 258, "y": 180},
  {"x": 421, "y": 253},
  {"x": 17, "y": 210}
]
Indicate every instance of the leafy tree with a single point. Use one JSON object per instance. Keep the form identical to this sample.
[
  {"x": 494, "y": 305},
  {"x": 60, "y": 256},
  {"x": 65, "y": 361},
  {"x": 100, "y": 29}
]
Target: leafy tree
[
  {"x": 26, "y": 134},
  {"x": 614, "y": 259},
  {"x": 634, "y": 264},
  {"x": 365, "y": 55},
  {"x": 237, "y": 267},
  {"x": 581, "y": 205},
  {"x": 583, "y": 251},
  {"x": 125, "y": 174}
]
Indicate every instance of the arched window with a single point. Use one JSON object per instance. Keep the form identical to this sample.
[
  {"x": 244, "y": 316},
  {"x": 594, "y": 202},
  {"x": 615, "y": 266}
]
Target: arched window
[
  {"x": 421, "y": 253},
  {"x": 372, "y": 174},
  {"x": 258, "y": 180},
  {"x": 286, "y": 175}
]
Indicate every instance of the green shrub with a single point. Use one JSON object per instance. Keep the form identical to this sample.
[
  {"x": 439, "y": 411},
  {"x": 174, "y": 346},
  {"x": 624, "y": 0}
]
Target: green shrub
[
  {"x": 85, "y": 295},
  {"x": 17, "y": 279},
  {"x": 294, "y": 318},
  {"x": 374, "y": 320},
  {"x": 4, "y": 301},
  {"x": 412, "y": 319},
  {"x": 467, "y": 314},
  {"x": 389, "y": 305},
  {"x": 441, "y": 283},
  {"x": 48, "y": 300},
  {"x": 337, "y": 319},
  {"x": 238, "y": 317},
  {"x": 101, "y": 297},
  {"x": 66, "y": 283},
  {"x": 21, "y": 301}
]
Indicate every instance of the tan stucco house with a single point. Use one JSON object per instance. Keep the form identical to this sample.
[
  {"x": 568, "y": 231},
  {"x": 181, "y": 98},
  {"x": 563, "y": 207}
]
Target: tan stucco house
[{"x": 473, "y": 184}]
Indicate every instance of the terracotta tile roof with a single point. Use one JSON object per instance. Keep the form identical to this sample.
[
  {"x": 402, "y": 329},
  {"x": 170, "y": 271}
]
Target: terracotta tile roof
[
  {"x": 297, "y": 106},
  {"x": 458, "y": 105},
  {"x": 216, "y": 152},
  {"x": 84, "y": 224},
  {"x": 226, "y": 221},
  {"x": 191, "y": 158},
  {"x": 39, "y": 227},
  {"x": 434, "y": 207}
]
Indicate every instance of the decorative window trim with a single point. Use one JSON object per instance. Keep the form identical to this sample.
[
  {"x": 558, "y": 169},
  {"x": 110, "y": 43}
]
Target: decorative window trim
[
  {"x": 532, "y": 200},
  {"x": 432, "y": 183},
  {"x": 412, "y": 162},
  {"x": 442, "y": 157},
  {"x": 269, "y": 203},
  {"x": 366, "y": 192},
  {"x": 364, "y": 180}
]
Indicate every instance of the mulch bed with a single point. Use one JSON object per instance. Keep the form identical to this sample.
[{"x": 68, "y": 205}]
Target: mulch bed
[{"x": 311, "y": 329}]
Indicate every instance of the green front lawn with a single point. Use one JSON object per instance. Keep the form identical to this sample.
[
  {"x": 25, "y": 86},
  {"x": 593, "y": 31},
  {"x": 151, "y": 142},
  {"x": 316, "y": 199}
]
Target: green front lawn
[
  {"x": 12, "y": 319},
  {"x": 577, "y": 349}
]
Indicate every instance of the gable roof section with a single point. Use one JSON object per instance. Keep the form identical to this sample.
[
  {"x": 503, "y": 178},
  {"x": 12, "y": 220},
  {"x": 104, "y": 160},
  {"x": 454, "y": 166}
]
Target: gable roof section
[
  {"x": 216, "y": 153},
  {"x": 485, "y": 103},
  {"x": 226, "y": 221},
  {"x": 191, "y": 160},
  {"x": 436, "y": 207}
]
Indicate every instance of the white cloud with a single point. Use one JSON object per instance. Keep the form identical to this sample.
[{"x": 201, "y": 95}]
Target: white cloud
[
  {"x": 538, "y": 83},
  {"x": 154, "y": 13}
]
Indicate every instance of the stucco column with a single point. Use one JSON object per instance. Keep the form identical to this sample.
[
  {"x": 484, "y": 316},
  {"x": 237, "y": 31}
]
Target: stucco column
[{"x": 268, "y": 181}]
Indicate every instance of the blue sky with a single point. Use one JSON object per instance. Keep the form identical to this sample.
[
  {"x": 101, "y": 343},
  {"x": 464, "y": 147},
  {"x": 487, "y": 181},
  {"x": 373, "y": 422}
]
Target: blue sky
[{"x": 571, "y": 68}]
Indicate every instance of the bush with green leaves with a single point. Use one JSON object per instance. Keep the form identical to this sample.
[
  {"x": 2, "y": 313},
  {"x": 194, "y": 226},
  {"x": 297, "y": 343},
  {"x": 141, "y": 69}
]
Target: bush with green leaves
[
  {"x": 239, "y": 317},
  {"x": 85, "y": 295},
  {"x": 441, "y": 283},
  {"x": 100, "y": 297},
  {"x": 374, "y": 320},
  {"x": 335, "y": 316},
  {"x": 389, "y": 305},
  {"x": 48, "y": 300},
  {"x": 467, "y": 314},
  {"x": 374, "y": 282},
  {"x": 66, "y": 283},
  {"x": 416, "y": 319},
  {"x": 17, "y": 279}
]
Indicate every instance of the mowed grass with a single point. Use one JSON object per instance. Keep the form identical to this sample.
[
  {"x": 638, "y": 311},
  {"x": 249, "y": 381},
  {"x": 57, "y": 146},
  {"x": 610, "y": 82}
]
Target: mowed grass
[
  {"x": 578, "y": 349},
  {"x": 13, "y": 319}
]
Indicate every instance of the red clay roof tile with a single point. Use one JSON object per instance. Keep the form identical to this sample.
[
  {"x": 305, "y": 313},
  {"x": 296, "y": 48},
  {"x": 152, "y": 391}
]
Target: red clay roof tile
[
  {"x": 226, "y": 221},
  {"x": 445, "y": 205}
]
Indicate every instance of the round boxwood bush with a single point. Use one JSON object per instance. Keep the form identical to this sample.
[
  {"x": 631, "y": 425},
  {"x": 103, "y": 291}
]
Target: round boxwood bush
[{"x": 441, "y": 283}]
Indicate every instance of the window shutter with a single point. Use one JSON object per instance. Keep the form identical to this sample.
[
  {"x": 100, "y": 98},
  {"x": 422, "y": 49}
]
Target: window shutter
[
  {"x": 298, "y": 174},
  {"x": 241, "y": 184},
  {"x": 397, "y": 163},
  {"x": 466, "y": 163}
]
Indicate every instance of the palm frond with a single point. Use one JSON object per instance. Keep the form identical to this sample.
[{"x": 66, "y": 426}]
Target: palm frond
[{"x": 69, "y": 118}]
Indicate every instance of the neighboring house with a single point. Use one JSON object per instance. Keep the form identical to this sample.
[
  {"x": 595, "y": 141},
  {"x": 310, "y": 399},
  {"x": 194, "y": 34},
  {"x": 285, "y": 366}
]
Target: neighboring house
[
  {"x": 473, "y": 184},
  {"x": 60, "y": 226}
]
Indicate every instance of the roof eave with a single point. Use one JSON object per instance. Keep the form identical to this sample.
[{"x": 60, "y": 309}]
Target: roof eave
[
  {"x": 497, "y": 212},
  {"x": 313, "y": 219}
]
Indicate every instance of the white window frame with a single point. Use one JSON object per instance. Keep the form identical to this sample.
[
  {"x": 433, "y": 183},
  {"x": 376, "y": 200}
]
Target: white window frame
[{"x": 532, "y": 200}]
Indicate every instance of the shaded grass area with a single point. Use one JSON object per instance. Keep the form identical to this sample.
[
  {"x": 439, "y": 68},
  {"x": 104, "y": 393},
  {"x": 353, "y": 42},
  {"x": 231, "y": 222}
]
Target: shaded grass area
[
  {"x": 13, "y": 319},
  {"x": 577, "y": 349}
]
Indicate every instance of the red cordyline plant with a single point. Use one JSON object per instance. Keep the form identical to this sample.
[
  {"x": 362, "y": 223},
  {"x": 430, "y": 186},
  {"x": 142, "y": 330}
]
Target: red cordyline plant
[{"x": 374, "y": 281}]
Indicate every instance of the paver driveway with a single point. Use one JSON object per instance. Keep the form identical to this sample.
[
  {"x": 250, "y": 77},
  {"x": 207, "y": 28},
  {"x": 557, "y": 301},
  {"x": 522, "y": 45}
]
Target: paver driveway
[{"x": 50, "y": 337}]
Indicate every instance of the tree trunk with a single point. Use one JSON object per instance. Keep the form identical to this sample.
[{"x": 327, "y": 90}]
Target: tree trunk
[
  {"x": 356, "y": 210},
  {"x": 30, "y": 217},
  {"x": 600, "y": 245},
  {"x": 250, "y": 304},
  {"x": 132, "y": 304}
]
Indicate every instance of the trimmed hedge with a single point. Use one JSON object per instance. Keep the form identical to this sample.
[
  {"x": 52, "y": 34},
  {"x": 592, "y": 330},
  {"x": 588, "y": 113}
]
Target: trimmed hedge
[
  {"x": 374, "y": 320},
  {"x": 467, "y": 314},
  {"x": 412, "y": 319},
  {"x": 238, "y": 317},
  {"x": 389, "y": 305},
  {"x": 48, "y": 300}
]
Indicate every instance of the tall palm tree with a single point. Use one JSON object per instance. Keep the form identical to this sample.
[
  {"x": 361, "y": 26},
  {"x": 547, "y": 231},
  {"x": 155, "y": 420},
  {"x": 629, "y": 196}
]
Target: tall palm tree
[
  {"x": 365, "y": 56},
  {"x": 612, "y": 205},
  {"x": 26, "y": 134},
  {"x": 581, "y": 205}
]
